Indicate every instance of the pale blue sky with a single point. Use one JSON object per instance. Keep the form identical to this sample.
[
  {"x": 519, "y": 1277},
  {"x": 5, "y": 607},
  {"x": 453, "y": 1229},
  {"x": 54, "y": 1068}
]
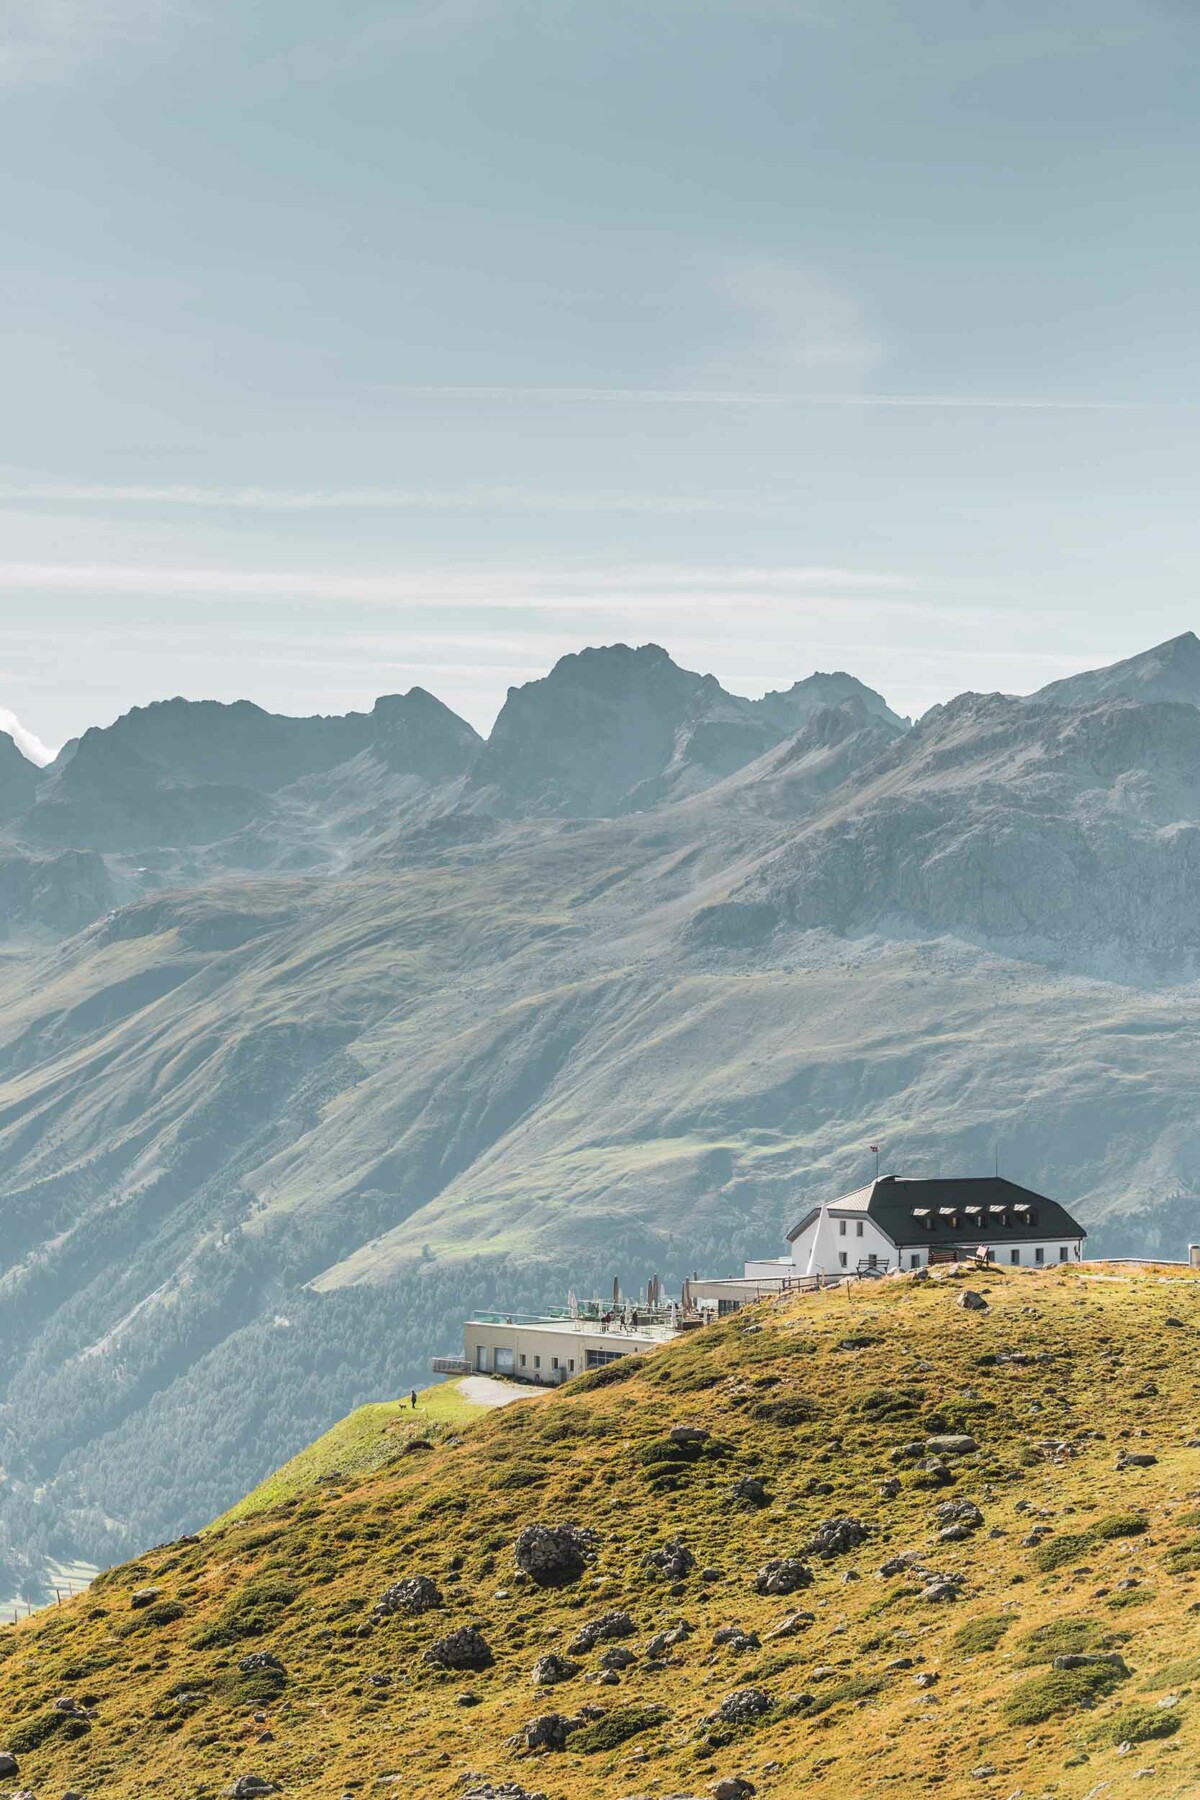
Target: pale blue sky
[{"x": 350, "y": 347}]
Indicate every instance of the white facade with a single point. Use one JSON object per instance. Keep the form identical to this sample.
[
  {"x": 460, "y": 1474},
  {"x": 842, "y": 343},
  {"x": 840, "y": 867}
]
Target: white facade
[{"x": 843, "y": 1238}]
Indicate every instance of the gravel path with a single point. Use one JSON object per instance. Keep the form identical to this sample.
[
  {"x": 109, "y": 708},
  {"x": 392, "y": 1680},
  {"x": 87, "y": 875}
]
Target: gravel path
[{"x": 485, "y": 1391}]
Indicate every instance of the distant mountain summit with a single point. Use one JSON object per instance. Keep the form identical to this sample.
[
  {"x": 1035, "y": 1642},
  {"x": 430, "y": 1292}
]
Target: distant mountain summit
[
  {"x": 620, "y": 729},
  {"x": 1169, "y": 671},
  {"x": 18, "y": 779}
]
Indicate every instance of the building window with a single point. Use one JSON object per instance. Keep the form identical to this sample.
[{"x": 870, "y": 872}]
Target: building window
[
  {"x": 1039, "y": 1255},
  {"x": 537, "y": 1362},
  {"x": 571, "y": 1365},
  {"x": 1014, "y": 1256},
  {"x": 596, "y": 1359},
  {"x": 914, "y": 1261},
  {"x": 858, "y": 1229},
  {"x": 1062, "y": 1253},
  {"x": 841, "y": 1227},
  {"x": 554, "y": 1362},
  {"x": 522, "y": 1359},
  {"x": 843, "y": 1259},
  {"x": 725, "y": 1307}
]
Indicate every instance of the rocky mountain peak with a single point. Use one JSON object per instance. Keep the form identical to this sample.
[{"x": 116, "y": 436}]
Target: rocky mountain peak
[{"x": 1168, "y": 671}]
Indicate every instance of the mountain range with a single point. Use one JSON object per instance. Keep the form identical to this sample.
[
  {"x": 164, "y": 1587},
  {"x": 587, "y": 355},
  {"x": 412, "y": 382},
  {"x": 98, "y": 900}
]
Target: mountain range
[{"x": 316, "y": 1032}]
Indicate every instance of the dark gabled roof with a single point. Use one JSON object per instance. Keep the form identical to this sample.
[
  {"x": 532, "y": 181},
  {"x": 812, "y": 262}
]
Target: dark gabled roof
[{"x": 901, "y": 1208}]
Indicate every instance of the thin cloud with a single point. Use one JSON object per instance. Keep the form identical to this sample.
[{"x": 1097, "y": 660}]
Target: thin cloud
[
  {"x": 45, "y": 40},
  {"x": 27, "y": 742},
  {"x": 751, "y": 397},
  {"x": 256, "y": 499}
]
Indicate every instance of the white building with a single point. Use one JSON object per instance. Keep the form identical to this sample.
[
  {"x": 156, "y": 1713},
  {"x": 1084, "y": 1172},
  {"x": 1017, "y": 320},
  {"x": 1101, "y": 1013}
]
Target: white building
[
  {"x": 547, "y": 1350},
  {"x": 895, "y": 1223}
]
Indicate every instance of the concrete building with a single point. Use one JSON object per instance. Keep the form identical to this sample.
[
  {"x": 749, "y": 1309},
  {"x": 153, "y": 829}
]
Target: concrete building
[{"x": 549, "y": 1350}]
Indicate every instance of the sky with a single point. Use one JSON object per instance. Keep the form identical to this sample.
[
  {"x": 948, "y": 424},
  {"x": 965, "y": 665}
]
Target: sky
[{"x": 350, "y": 348}]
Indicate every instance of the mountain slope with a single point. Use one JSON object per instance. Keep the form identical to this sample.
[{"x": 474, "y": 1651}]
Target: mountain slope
[
  {"x": 1169, "y": 671},
  {"x": 934, "y": 1590}
]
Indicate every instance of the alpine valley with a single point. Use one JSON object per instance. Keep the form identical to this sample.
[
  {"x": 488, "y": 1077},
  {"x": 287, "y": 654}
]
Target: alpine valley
[{"x": 317, "y": 1032}]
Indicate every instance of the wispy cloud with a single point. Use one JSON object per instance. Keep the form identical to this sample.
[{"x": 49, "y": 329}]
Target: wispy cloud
[
  {"x": 573, "y": 396},
  {"x": 27, "y": 742},
  {"x": 367, "y": 499},
  {"x": 43, "y": 40}
]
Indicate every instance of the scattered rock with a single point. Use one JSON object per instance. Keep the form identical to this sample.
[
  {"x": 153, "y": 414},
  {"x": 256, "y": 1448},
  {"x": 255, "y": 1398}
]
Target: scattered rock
[
  {"x": 1136, "y": 1459},
  {"x": 550, "y": 1669},
  {"x": 249, "y": 1786},
  {"x": 982, "y": 1771},
  {"x": 792, "y": 1624},
  {"x": 664, "y": 1642},
  {"x": 783, "y": 1575},
  {"x": 890, "y": 1487},
  {"x": 747, "y": 1704},
  {"x": 972, "y": 1301},
  {"x": 466, "y": 1648},
  {"x": 549, "y": 1731},
  {"x": 467, "y": 1699},
  {"x": 144, "y": 1597},
  {"x": 926, "y": 1679},
  {"x": 554, "y": 1555},
  {"x": 734, "y": 1787},
  {"x": 608, "y": 1626},
  {"x": 415, "y": 1594},
  {"x": 950, "y": 1443},
  {"x": 9, "y": 1766},
  {"x": 618, "y": 1658},
  {"x": 750, "y": 1491},
  {"x": 673, "y": 1561},
  {"x": 942, "y": 1587},
  {"x": 688, "y": 1434},
  {"x": 959, "y": 1512},
  {"x": 836, "y": 1537},
  {"x": 259, "y": 1659},
  {"x": 736, "y": 1638},
  {"x": 1109, "y": 1658}
]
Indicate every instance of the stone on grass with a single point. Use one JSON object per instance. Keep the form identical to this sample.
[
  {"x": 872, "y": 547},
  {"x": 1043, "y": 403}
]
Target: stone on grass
[
  {"x": 836, "y": 1537},
  {"x": 554, "y": 1555},
  {"x": 9, "y": 1766},
  {"x": 745, "y": 1705},
  {"x": 792, "y": 1624},
  {"x": 972, "y": 1301},
  {"x": 734, "y": 1787},
  {"x": 549, "y": 1731},
  {"x": 607, "y": 1627},
  {"x": 250, "y": 1786},
  {"x": 749, "y": 1490},
  {"x": 950, "y": 1443},
  {"x": 552, "y": 1668},
  {"x": 415, "y": 1594},
  {"x": 466, "y": 1648},
  {"x": 783, "y": 1575},
  {"x": 663, "y": 1642},
  {"x": 672, "y": 1561}
]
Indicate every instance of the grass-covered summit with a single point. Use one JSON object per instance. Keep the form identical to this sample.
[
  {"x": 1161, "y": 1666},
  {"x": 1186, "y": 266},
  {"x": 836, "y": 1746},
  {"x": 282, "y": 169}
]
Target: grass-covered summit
[{"x": 872, "y": 1539}]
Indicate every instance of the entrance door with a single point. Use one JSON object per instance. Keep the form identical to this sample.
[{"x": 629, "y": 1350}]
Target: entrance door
[
  {"x": 481, "y": 1358},
  {"x": 504, "y": 1362}
]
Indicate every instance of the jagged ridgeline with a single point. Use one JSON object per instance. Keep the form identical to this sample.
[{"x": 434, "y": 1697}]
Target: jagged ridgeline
[
  {"x": 317, "y": 1033},
  {"x": 935, "y": 1532}
]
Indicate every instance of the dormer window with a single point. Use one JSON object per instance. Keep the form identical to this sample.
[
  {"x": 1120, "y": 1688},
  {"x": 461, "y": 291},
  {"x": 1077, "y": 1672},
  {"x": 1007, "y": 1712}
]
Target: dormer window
[{"x": 923, "y": 1217}]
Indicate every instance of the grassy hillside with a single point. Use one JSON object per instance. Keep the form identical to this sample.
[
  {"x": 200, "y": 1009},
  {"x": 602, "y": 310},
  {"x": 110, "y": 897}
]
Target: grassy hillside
[
  {"x": 907, "y": 1661},
  {"x": 360, "y": 1444}
]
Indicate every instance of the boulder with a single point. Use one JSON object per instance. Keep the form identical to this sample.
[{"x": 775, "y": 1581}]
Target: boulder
[
  {"x": 549, "y": 1731},
  {"x": 836, "y": 1537},
  {"x": 673, "y": 1561},
  {"x": 959, "y": 1512},
  {"x": 782, "y": 1575},
  {"x": 744, "y": 1706},
  {"x": 415, "y": 1594},
  {"x": 554, "y": 1555},
  {"x": 949, "y": 1443},
  {"x": 972, "y": 1301},
  {"x": 466, "y": 1648},
  {"x": 9, "y": 1766},
  {"x": 750, "y": 1490},
  {"x": 663, "y": 1642},
  {"x": 1136, "y": 1459},
  {"x": 1099, "y": 1658},
  {"x": 688, "y": 1434},
  {"x": 734, "y": 1787},
  {"x": 259, "y": 1659},
  {"x": 550, "y": 1669},
  {"x": 608, "y": 1627},
  {"x": 248, "y": 1787},
  {"x": 618, "y": 1657},
  {"x": 144, "y": 1597},
  {"x": 792, "y": 1624},
  {"x": 736, "y": 1638}
]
